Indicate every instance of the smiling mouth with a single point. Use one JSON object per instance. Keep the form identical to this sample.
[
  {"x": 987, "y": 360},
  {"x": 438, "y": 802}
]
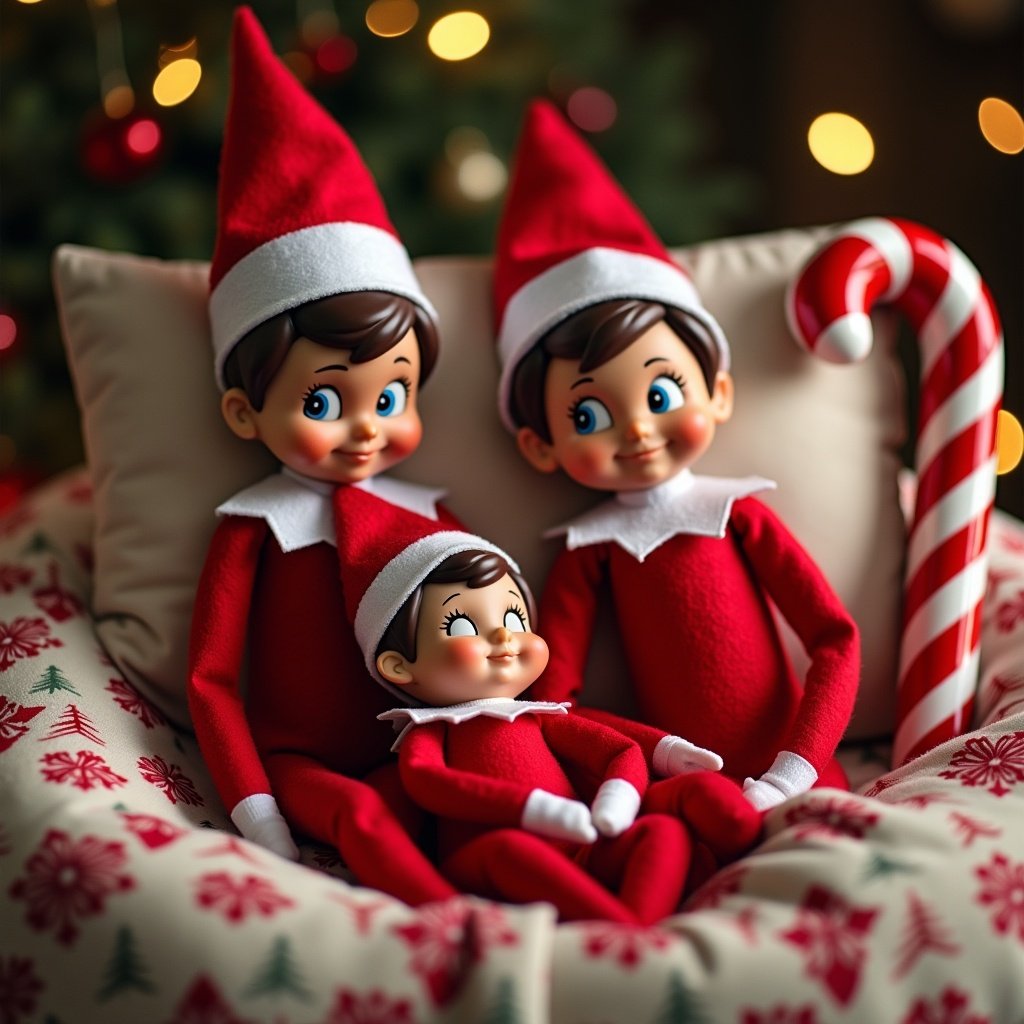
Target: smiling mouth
[
  {"x": 640, "y": 456},
  {"x": 359, "y": 456},
  {"x": 505, "y": 656}
]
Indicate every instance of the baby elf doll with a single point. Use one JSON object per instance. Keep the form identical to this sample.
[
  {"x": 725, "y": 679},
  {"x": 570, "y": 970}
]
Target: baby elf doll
[
  {"x": 615, "y": 373},
  {"x": 322, "y": 337},
  {"x": 444, "y": 621}
]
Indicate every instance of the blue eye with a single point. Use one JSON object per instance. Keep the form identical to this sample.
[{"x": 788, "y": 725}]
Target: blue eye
[
  {"x": 458, "y": 624},
  {"x": 322, "y": 404},
  {"x": 590, "y": 416},
  {"x": 393, "y": 399},
  {"x": 514, "y": 621},
  {"x": 664, "y": 395}
]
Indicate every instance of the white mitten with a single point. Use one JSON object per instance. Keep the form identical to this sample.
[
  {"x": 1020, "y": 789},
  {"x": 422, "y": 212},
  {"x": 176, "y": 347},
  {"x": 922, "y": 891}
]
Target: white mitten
[
  {"x": 675, "y": 756},
  {"x": 259, "y": 820},
  {"x": 789, "y": 775},
  {"x": 615, "y": 806},
  {"x": 557, "y": 817}
]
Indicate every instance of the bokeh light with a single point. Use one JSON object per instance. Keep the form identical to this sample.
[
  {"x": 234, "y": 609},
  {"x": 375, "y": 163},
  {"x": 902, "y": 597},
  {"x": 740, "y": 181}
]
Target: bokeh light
[
  {"x": 29, "y": 1},
  {"x": 840, "y": 143},
  {"x": 390, "y": 18},
  {"x": 592, "y": 109},
  {"x": 170, "y": 53},
  {"x": 462, "y": 141},
  {"x": 119, "y": 101},
  {"x": 8, "y": 331},
  {"x": 459, "y": 35},
  {"x": 319, "y": 25},
  {"x": 481, "y": 176},
  {"x": 177, "y": 81},
  {"x": 143, "y": 137},
  {"x": 336, "y": 55},
  {"x": 1009, "y": 442},
  {"x": 1001, "y": 124}
]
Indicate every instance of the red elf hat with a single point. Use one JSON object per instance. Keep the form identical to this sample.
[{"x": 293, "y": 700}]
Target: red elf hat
[
  {"x": 569, "y": 238},
  {"x": 299, "y": 215},
  {"x": 386, "y": 552}
]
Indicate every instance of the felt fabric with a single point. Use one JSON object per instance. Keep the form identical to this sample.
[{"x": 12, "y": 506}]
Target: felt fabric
[
  {"x": 299, "y": 215},
  {"x": 307, "y": 733},
  {"x": 705, "y": 657},
  {"x": 477, "y": 776}
]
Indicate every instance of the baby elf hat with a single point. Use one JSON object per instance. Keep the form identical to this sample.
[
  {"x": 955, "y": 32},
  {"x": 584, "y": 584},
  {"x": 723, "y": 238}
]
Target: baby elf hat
[
  {"x": 569, "y": 238},
  {"x": 299, "y": 215},
  {"x": 385, "y": 553}
]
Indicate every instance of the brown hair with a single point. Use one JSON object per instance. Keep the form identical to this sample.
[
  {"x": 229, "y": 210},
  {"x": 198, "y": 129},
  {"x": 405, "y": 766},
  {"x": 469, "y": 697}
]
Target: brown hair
[
  {"x": 366, "y": 324},
  {"x": 594, "y": 336},
  {"x": 475, "y": 568}
]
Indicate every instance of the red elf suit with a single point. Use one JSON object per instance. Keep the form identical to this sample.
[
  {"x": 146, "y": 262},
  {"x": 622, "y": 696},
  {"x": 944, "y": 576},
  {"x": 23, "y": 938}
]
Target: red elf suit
[
  {"x": 299, "y": 219},
  {"x": 496, "y": 771},
  {"x": 692, "y": 562}
]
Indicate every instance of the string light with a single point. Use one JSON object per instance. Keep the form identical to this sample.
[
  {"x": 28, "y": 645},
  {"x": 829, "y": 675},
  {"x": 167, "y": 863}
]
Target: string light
[
  {"x": 1001, "y": 124},
  {"x": 1009, "y": 442},
  {"x": 840, "y": 143},
  {"x": 336, "y": 55},
  {"x": 390, "y": 18},
  {"x": 118, "y": 101},
  {"x": 177, "y": 81},
  {"x": 481, "y": 176},
  {"x": 8, "y": 331},
  {"x": 143, "y": 137},
  {"x": 29, "y": 1},
  {"x": 459, "y": 35},
  {"x": 592, "y": 109}
]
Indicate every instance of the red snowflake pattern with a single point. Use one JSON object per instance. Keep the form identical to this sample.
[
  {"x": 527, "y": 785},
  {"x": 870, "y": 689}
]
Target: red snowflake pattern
[
  {"x": 998, "y": 766},
  {"x": 881, "y": 785},
  {"x": 1010, "y": 613},
  {"x": 832, "y": 934},
  {"x": 831, "y": 816},
  {"x": 66, "y": 880},
  {"x": 971, "y": 828},
  {"x": 627, "y": 944},
  {"x": 24, "y": 638},
  {"x": 14, "y": 576},
  {"x": 949, "y": 1008},
  {"x": 203, "y": 1004},
  {"x": 151, "y": 831},
  {"x": 170, "y": 780},
  {"x": 56, "y": 601},
  {"x": 375, "y": 1007},
  {"x": 717, "y": 888},
  {"x": 19, "y": 987},
  {"x": 238, "y": 898},
  {"x": 780, "y": 1015},
  {"x": 135, "y": 704},
  {"x": 447, "y": 939},
  {"x": 1002, "y": 889},
  {"x": 84, "y": 770},
  {"x": 14, "y": 719}
]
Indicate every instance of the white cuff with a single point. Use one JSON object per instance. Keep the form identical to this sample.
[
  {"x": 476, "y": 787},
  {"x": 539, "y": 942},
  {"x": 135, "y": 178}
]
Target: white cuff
[
  {"x": 253, "y": 809},
  {"x": 615, "y": 807},
  {"x": 660, "y": 758},
  {"x": 790, "y": 773}
]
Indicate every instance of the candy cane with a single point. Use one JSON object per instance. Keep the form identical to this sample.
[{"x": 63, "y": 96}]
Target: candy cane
[{"x": 961, "y": 350}]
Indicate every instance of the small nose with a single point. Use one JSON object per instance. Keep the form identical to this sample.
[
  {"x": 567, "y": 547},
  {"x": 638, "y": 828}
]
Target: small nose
[
  {"x": 364, "y": 429},
  {"x": 637, "y": 429},
  {"x": 502, "y": 635}
]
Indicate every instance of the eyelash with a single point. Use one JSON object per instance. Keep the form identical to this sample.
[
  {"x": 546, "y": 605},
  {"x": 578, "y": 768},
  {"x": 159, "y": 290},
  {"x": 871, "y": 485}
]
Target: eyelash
[
  {"x": 674, "y": 376},
  {"x": 518, "y": 611},
  {"x": 450, "y": 618},
  {"x": 406, "y": 383}
]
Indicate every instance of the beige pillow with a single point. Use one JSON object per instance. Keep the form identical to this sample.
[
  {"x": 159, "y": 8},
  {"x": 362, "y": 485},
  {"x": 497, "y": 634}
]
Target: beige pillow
[{"x": 161, "y": 459}]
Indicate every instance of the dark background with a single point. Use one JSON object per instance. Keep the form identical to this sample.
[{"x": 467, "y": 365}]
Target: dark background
[{"x": 714, "y": 101}]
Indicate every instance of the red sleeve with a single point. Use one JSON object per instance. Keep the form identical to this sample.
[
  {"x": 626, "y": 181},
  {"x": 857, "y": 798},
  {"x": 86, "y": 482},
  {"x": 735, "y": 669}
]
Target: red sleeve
[
  {"x": 565, "y": 617},
  {"x": 602, "y": 752},
  {"x": 220, "y": 622},
  {"x": 452, "y": 792},
  {"x": 829, "y": 635}
]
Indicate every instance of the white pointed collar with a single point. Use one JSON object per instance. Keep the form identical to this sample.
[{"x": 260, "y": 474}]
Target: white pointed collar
[
  {"x": 299, "y": 511},
  {"x": 506, "y": 708},
  {"x": 640, "y": 521}
]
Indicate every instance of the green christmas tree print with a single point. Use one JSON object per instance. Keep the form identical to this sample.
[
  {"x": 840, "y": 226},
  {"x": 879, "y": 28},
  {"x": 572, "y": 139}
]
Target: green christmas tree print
[
  {"x": 504, "y": 1009},
  {"x": 53, "y": 680},
  {"x": 125, "y": 969},
  {"x": 681, "y": 1005},
  {"x": 279, "y": 973}
]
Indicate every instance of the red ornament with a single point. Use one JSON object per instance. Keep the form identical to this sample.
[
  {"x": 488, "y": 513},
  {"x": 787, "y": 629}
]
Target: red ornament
[{"x": 122, "y": 150}]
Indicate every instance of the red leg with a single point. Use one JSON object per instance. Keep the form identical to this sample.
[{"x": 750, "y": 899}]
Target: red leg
[
  {"x": 517, "y": 866},
  {"x": 833, "y": 776},
  {"x": 714, "y": 807},
  {"x": 354, "y": 818},
  {"x": 649, "y": 862}
]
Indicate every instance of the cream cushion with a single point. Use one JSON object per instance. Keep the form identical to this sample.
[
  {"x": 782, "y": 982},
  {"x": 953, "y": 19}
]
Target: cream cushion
[{"x": 161, "y": 459}]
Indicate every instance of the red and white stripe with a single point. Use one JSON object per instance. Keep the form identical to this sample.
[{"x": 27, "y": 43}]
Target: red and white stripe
[{"x": 961, "y": 381}]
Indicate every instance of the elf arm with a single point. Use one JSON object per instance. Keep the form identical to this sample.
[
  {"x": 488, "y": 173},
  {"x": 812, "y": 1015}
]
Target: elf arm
[
  {"x": 220, "y": 622},
  {"x": 829, "y": 635},
  {"x": 566, "y": 616}
]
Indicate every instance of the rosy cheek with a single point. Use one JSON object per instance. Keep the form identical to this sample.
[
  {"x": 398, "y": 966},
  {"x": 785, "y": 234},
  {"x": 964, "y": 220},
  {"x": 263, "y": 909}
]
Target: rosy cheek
[
  {"x": 314, "y": 444},
  {"x": 534, "y": 650},
  {"x": 586, "y": 461},
  {"x": 694, "y": 428},
  {"x": 462, "y": 652},
  {"x": 404, "y": 434}
]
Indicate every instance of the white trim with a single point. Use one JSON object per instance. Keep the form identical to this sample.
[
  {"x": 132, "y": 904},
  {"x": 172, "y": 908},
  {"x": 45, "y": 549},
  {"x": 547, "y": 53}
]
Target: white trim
[
  {"x": 396, "y": 581},
  {"x": 304, "y": 265},
  {"x": 594, "y": 275}
]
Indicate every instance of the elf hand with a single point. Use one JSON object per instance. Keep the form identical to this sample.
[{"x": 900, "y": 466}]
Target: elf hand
[
  {"x": 675, "y": 756},
  {"x": 557, "y": 817},
  {"x": 789, "y": 775},
  {"x": 615, "y": 807},
  {"x": 259, "y": 820}
]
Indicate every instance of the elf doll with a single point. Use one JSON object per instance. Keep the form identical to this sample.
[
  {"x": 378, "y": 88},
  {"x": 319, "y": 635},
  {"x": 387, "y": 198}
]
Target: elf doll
[
  {"x": 444, "y": 621},
  {"x": 322, "y": 337},
  {"x": 615, "y": 373}
]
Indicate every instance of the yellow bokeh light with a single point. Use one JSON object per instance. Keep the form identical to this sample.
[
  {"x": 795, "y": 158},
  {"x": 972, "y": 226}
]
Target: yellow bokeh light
[
  {"x": 390, "y": 18},
  {"x": 1001, "y": 124},
  {"x": 458, "y": 36},
  {"x": 1009, "y": 442},
  {"x": 840, "y": 143},
  {"x": 119, "y": 101},
  {"x": 177, "y": 82},
  {"x": 29, "y": 1},
  {"x": 481, "y": 176}
]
